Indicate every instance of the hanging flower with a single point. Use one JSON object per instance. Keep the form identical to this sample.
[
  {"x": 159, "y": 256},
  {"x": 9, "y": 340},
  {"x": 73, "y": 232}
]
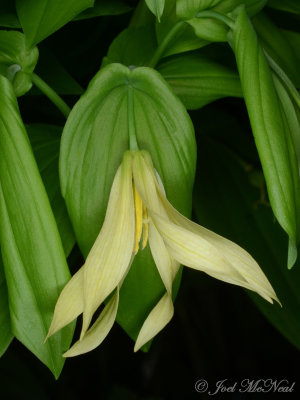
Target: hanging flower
[{"x": 139, "y": 212}]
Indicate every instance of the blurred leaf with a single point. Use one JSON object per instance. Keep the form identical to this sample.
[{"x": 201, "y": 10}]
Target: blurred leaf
[
  {"x": 45, "y": 142},
  {"x": 33, "y": 257},
  {"x": 16, "y": 63},
  {"x": 133, "y": 46},
  {"x": 93, "y": 142},
  {"x": 40, "y": 18},
  {"x": 293, "y": 39},
  {"x": 156, "y": 7},
  {"x": 197, "y": 80},
  {"x": 5, "y": 333},
  {"x": 277, "y": 46},
  {"x": 8, "y": 15},
  {"x": 104, "y": 7},
  {"x": 272, "y": 136},
  {"x": 226, "y": 202},
  {"x": 292, "y": 6}
]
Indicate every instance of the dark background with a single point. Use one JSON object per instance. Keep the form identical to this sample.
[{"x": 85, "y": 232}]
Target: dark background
[{"x": 217, "y": 331}]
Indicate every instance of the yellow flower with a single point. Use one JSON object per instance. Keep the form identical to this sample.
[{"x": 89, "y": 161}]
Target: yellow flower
[{"x": 138, "y": 211}]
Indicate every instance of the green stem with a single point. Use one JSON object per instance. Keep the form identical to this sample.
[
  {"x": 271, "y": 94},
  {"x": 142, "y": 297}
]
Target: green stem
[
  {"x": 215, "y": 15},
  {"x": 51, "y": 94},
  {"x": 164, "y": 44},
  {"x": 284, "y": 78},
  {"x": 131, "y": 125}
]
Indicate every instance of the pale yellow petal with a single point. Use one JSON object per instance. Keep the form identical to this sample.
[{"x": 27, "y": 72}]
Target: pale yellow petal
[
  {"x": 69, "y": 304},
  {"x": 111, "y": 254},
  {"x": 158, "y": 318},
  {"x": 98, "y": 332}
]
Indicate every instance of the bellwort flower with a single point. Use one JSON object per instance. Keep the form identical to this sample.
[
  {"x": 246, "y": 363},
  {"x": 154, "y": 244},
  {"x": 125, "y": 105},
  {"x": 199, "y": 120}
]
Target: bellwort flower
[{"x": 138, "y": 213}]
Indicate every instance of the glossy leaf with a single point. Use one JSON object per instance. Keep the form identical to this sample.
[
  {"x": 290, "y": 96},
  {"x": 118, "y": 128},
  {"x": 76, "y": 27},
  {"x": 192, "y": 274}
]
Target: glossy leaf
[
  {"x": 5, "y": 332},
  {"x": 45, "y": 142},
  {"x": 104, "y": 7},
  {"x": 156, "y": 7},
  {"x": 33, "y": 256},
  {"x": 226, "y": 202},
  {"x": 197, "y": 80},
  {"x": 40, "y": 18},
  {"x": 292, "y": 6},
  {"x": 16, "y": 63},
  {"x": 93, "y": 142},
  {"x": 271, "y": 133},
  {"x": 209, "y": 28}
]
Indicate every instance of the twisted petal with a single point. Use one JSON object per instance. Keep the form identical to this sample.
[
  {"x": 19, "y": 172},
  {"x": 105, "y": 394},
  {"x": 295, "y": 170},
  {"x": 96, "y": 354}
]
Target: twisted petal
[
  {"x": 158, "y": 318},
  {"x": 98, "y": 332},
  {"x": 69, "y": 304},
  {"x": 110, "y": 256}
]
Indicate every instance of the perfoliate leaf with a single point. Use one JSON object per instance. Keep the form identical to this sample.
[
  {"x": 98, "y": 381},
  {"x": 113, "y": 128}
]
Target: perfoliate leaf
[
  {"x": 33, "y": 256},
  {"x": 156, "y": 7},
  {"x": 40, "y": 18},
  {"x": 210, "y": 28},
  {"x": 5, "y": 332},
  {"x": 226, "y": 202},
  {"x": 197, "y": 80},
  {"x": 93, "y": 142},
  {"x": 271, "y": 133},
  {"x": 16, "y": 63}
]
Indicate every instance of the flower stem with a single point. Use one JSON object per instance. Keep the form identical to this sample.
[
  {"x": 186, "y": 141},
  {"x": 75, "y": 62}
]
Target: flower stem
[
  {"x": 131, "y": 124},
  {"x": 51, "y": 94},
  {"x": 216, "y": 15},
  {"x": 164, "y": 44}
]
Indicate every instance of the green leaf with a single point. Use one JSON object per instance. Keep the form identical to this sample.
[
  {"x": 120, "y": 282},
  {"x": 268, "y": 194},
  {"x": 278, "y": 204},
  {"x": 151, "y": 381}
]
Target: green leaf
[
  {"x": 93, "y": 142},
  {"x": 40, "y": 18},
  {"x": 271, "y": 133},
  {"x": 292, "y": 6},
  {"x": 104, "y": 7},
  {"x": 8, "y": 15},
  {"x": 209, "y": 28},
  {"x": 33, "y": 256},
  {"x": 277, "y": 46},
  {"x": 197, "y": 80},
  {"x": 226, "y": 202},
  {"x": 16, "y": 63},
  {"x": 293, "y": 39},
  {"x": 5, "y": 333},
  {"x": 45, "y": 142},
  {"x": 156, "y": 7},
  {"x": 133, "y": 46}
]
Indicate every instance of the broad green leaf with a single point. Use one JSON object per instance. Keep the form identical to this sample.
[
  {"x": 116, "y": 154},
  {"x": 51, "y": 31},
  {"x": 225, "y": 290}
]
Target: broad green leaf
[
  {"x": 33, "y": 256},
  {"x": 93, "y": 142},
  {"x": 271, "y": 133},
  {"x": 293, "y": 39},
  {"x": 8, "y": 15},
  {"x": 104, "y": 7},
  {"x": 156, "y": 7},
  {"x": 40, "y": 18},
  {"x": 277, "y": 46},
  {"x": 292, "y": 6},
  {"x": 5, "y": 332},
  {"x": 133, "y": 46},
  {"x": 16, "y": 63},
  {"x": 226, "y": 202},
  {"x": 197, "y": 80},
  {"x": 209, "y": 28},
  {"x": 45, "y": 142}
]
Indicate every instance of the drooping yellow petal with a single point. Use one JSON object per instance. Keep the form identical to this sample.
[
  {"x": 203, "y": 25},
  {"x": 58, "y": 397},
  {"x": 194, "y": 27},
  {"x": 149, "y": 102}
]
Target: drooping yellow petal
[
  {"x": 158, "y": 318},
  {"x": 111, "y": 254},
  {"x": 138, "y": 205},
  {"x": 69, "y": 304},
  {"x": 100, "y": 329}
]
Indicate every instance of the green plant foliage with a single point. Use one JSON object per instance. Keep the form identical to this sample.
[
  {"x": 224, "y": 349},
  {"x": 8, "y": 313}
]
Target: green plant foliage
[
  {"x": 33, "y": 257},
  {"x": 104, "y": 7},
  {"x": 40, "y": 18},
  {"x": 197, "y": 80},
  {"x": 8, "y": 15},
  {"x": 292, "y": 6},
  {"x": 5, "y": 333},
  {"x": 16, "y": 63},
  {"x": 227, "y": 202},
  {"x": 272, "y": 136},
  {"x": 93, "y": 142},
  {"x": 156, "y": 7}
]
